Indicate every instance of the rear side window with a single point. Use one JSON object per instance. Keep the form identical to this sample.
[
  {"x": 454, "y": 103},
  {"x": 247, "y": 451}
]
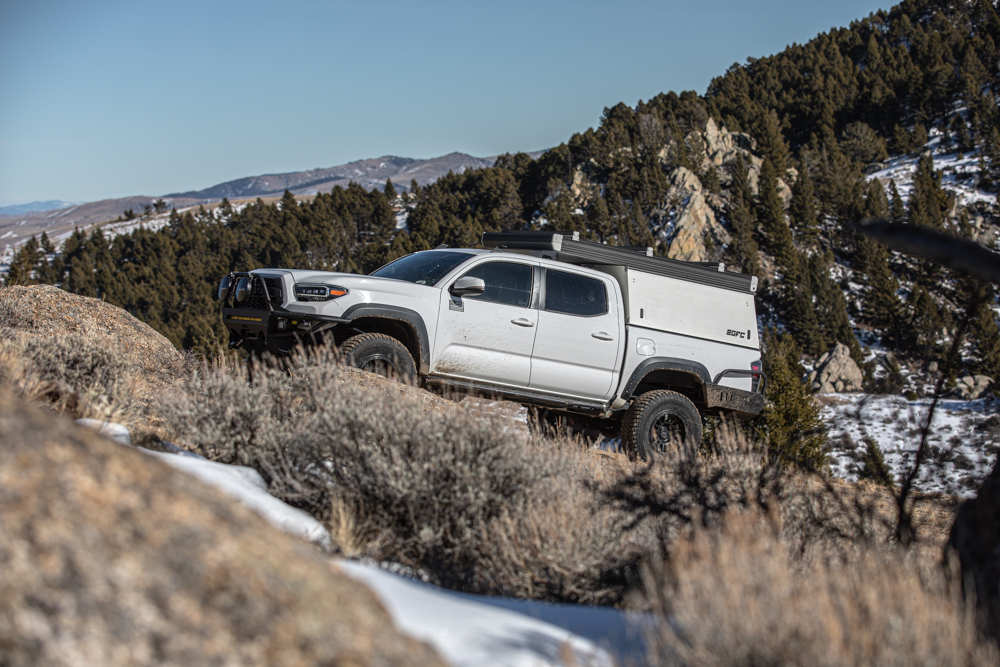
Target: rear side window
[
  {"x": 574, "y": 294},
  {"x": 506, "y": 282}
]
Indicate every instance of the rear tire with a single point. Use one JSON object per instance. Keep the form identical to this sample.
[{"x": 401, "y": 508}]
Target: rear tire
[
  {"x": 658, "y": 422},
  {"x": 380, "y": 354}
]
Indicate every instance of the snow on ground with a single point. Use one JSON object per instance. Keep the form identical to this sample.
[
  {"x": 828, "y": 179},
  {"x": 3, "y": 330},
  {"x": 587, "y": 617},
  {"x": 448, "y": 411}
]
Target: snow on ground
[
  {"x": 962, "y": 444},
  {"x": 961, "y": 172},
  {"x": 478, "y": 631},
  {"x": 247, "y": 486},
  {"x": 467, "y": 630}
]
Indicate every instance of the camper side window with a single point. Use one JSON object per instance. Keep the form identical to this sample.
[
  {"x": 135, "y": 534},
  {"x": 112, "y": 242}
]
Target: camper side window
[{"x": 574, "y": 294}]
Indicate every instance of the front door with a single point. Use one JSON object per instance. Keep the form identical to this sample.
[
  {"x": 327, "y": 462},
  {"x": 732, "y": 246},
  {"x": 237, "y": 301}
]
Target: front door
[
  {"x": 489, "y": 337},
  {"x": 578, "y": 344}
]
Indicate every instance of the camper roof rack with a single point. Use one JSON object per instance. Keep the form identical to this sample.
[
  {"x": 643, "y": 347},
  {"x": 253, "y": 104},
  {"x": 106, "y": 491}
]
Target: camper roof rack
[{"x": 567, "y": 247}]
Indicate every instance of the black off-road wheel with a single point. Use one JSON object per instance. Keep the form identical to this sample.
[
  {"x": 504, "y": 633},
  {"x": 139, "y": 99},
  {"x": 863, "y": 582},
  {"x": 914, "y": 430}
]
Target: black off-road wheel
[
  {"x": 380, "y": 354},
  {"x": 659, "y": 422}
]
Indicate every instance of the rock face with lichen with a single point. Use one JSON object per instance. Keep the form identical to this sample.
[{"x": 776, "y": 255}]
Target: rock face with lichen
[
  {"x": 687, "y": 222},
  {"x": 108, "y": 557},
  {"x": 691, "y": 229},
  {"x": 836, "y": 371}
]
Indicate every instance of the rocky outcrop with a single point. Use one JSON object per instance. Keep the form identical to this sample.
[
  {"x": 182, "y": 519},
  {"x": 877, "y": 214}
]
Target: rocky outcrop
[
  {"x": 975, "y": 540},
  {"x": 722, "y": 148},
  {"x": 109, "y": 557},
  {"x": 970, "y": 387},
  {"x": 836, "y": 371},
  {"x": 691, "y": 227}
]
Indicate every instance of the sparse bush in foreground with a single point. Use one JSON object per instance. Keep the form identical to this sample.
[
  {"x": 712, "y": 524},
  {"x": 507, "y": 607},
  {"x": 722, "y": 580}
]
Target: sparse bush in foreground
[
  {"x": 71, "y": 373},
  {"x": 79, "y": 362},
  {"x": 736, "y": 596},
  {"x": 441, "y": 489},
  {"x": 401, "y": 476}
]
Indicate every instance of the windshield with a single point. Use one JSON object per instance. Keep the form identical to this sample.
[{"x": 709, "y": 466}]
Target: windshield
[{"x": 422, "y": 268}]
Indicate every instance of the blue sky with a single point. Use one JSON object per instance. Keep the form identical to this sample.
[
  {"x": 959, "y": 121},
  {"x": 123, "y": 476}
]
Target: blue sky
[{"x": 106, "y": 99}]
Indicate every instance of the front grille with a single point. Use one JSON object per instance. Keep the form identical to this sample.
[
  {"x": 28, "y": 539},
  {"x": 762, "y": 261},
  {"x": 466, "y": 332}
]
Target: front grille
[{"x": 256, "y": 298}]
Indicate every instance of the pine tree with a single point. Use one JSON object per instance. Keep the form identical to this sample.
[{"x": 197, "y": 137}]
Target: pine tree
[
  {"x": 928, "y": 200},
  {"x": 771, "y": 142},
  {"x": 873, "y": 465},
  {"x": 790, "y": 420},
  {"x": 831, "y": 306},
  {"x": 23, "y": 265},
  {"x": 802, "y": 209},
  {"x": 744, "y": 249},
  {"x": 880, "y": 303},
  {"x": 771, "y": 215},
  {"x": 48, "y": 271},
  {"x": 897, "y": 209},
  {"x": 925, "y": 325},
  {"x": 984, "y": 334},
  {"x": 876, "y": 203}
]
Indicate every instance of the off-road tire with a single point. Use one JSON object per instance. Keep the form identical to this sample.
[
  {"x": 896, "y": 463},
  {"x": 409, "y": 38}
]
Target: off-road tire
[
  {"x": 380, "y": 354},
  {"x": 661, "y": 412}
]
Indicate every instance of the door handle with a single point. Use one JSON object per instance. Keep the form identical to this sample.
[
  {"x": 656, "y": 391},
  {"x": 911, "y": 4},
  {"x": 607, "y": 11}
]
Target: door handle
[
  {"x": 600, "y": 335},
  {"x": 523, "y": 322}
]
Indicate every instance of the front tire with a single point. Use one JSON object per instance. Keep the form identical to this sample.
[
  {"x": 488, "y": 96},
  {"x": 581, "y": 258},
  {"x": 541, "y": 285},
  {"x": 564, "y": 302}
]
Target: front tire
[
  {"x": 379, "y": 354},
  {"x": 658, "y": 422}
]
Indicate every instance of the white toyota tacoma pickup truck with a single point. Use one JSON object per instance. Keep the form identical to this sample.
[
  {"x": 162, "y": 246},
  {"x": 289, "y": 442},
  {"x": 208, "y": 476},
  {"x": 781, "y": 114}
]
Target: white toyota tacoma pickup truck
[{"x": 631, "y": 343}]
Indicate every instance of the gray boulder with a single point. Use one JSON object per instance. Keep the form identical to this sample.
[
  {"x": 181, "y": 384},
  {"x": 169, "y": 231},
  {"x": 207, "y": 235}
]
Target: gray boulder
[
  {"x": 971, "y": 387},
  {"x": 836, "y": 372},
  {"x": 109, "y": 557}
]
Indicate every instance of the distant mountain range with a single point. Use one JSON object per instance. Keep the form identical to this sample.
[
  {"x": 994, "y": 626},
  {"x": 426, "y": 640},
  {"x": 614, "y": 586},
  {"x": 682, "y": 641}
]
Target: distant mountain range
[
  {"x": 36, "y": 206},
  {"x": 371, "y": 173},
  {"x": 58, "y": 218}
]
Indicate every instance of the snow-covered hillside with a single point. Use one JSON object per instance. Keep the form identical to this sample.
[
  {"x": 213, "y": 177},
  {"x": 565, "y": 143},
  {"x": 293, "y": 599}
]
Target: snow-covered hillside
[{"x": 962, "y": 442}]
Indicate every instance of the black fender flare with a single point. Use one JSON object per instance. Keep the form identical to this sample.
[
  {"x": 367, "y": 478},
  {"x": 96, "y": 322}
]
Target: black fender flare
[
  {"x": 397, "y": 313},
  {"x": 693, "y": 368}
]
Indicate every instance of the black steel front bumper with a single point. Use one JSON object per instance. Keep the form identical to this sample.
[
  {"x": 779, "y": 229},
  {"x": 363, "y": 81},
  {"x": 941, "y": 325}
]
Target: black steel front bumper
[{"x": 273, "y": 330}]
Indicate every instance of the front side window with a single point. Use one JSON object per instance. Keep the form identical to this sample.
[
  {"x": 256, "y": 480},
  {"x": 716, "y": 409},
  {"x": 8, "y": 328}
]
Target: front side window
[
  {"x": 422, "y": 268},
  {"x": 506, "y": 282},
  {"x": 574, "y": 294}
]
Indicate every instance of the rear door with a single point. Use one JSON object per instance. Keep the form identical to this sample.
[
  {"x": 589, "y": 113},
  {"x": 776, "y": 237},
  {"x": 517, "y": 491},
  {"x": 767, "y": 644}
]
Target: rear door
[
  {"x": 489, "y": 337},
  {"x": 579, "y": 340}
]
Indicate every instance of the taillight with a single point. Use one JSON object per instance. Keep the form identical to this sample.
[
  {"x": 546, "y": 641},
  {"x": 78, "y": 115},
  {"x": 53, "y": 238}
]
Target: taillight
[{"x": 755, "y": 383}]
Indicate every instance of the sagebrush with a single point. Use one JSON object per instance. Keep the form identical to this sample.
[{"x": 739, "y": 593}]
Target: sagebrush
[
  {"x": 477, "y": 506},
  {"x": 737, "y": 595}
]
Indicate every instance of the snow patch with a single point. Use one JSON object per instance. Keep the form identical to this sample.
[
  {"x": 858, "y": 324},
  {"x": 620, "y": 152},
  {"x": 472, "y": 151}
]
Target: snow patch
[
  {"x": 962, "y": 441},
  {"x": 479, "y": 631},
  {"x": 248, "y": 487}
]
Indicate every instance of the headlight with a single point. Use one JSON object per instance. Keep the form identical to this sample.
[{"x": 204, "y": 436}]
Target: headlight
[
  {"x": 224, "y": 288},
  {"x": 317, "y": 292},
  {"x": 242, "y": 290}
]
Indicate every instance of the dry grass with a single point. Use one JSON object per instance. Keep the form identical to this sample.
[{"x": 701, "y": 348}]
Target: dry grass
[
  {"x": 474, "y": 505},
  {"x": 400, "y": 476},
  {"x": 72, "y": 374},
  {"x": 435, "y": 486},
  {"x": 737, "y": 594}
]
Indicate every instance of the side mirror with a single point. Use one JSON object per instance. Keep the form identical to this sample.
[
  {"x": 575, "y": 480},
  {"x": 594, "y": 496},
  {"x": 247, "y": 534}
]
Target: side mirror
[
  {"x": 468, "y": 286},
  {"x": 242, "y": 290}
]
